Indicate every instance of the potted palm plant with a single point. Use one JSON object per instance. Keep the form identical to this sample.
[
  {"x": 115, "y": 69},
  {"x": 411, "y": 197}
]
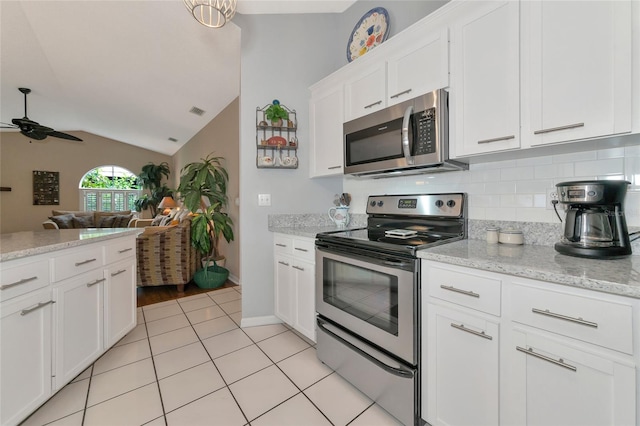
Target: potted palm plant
[
  {"x": 151, "y": 178},
  {"x": 203, "y": 189}
]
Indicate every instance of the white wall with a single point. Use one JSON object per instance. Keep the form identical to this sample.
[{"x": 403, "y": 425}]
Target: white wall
[{"x": 516, "y": 190}]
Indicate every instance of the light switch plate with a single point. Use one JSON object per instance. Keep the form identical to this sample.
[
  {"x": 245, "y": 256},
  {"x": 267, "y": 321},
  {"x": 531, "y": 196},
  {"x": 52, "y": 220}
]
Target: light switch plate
[{"x": 264, "y": 199}]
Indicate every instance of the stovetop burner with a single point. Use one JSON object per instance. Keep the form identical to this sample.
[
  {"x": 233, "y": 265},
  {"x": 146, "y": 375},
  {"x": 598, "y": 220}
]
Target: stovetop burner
[{"x": 406, "y": 223}]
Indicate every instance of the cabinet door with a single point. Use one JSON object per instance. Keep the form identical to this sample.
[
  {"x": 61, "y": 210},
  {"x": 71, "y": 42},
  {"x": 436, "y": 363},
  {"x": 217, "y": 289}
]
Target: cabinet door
[
  {"x": 326, "y": 116},
  {"x": 25, "y": 355},
  {"x": 550, "y": 383},
  {"x": 419, "y": 68},
  {"x": 576, "y": 70},
  {"x": 305, "y": 298},
  {"x": 120, "y": 301},
  {"x": 78, "y": 325},
  {"x": 485, "y": 86},
  {"x": 462, "y": 359},
  {"x": 284, "y": 282},
  {"x": 365, "y": 93}
]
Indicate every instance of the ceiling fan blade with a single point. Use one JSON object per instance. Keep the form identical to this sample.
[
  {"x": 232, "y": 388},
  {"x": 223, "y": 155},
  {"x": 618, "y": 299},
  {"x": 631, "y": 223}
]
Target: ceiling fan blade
[
  {"x": 34, "y": 134},
  {"x": 61, "y": 135}
]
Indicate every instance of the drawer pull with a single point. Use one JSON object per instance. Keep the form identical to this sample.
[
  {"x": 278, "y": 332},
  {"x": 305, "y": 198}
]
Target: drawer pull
[
  {"x": 457, "y": 290},
  {"x": 283, "y": 263},
  {"x": 281, "y": 245},
  {"x": 118, "y": 272},
  {"x": 333, "y": 167},
  {"x": 125, "y": 250},
  {"x": 468, "y": 330},
  {"x": 84, "y": 262},
  {"x": 401, "y": 93},
  {"x": 560, "y": 362},
  {"x": 373, "y": 104},
  {"x": 91, "y": 284},
  {"x": 564, "y": 317},
  {"x": 38, "y": 306},
  {"x": 22, "y": 281},
  {"x": 556, "y": 129},
  {"x": 301, "y": 249},
  {"x": 504, "y": 138},
  {"x": 298, "y": 268}
]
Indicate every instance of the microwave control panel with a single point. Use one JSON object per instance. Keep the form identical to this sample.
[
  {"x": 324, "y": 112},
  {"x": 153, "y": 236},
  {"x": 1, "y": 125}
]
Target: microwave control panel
[{"x": 425, "y": 132}]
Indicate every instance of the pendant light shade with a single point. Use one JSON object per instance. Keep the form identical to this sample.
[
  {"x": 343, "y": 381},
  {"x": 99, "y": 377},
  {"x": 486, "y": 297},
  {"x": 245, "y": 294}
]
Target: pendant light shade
[{"x": 212, "y": 13}]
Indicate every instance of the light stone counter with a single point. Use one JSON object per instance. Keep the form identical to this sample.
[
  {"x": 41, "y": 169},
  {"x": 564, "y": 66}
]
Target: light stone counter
[
  {"x": 309, "y": 225},
  {"x": 616, "y": 276},
  {"x": 29, "y": 243}
]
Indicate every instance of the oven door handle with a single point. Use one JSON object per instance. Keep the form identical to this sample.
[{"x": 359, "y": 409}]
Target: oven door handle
[{"x": 396, "y": 371}]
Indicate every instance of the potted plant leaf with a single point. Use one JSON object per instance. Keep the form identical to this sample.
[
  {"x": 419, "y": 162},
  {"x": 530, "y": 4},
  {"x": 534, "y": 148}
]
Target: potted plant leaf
[
  {"x": 151, "y": 178},
  {"x": 276, "y": 113},
  {"x": 203, "y": 189}
]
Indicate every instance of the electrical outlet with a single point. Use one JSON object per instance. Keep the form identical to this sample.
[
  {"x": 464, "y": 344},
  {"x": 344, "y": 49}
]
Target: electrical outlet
[
  {"x": 552, "y": 194},
  {"x": 264, "y": 200}
]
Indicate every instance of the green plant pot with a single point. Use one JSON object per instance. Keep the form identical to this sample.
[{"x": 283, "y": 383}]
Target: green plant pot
[{"x": 214, "y": 277}]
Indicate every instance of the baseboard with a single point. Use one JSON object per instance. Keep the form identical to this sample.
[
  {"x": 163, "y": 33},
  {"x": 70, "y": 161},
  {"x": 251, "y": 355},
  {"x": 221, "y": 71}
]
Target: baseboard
[
  {"x": 256, "y": 321},
  {"x": 234, "y": 279}
]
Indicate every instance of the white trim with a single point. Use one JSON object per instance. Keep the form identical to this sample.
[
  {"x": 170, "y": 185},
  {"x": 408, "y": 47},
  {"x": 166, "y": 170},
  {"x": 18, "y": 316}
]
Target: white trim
[{"x": 257, "y": 321}]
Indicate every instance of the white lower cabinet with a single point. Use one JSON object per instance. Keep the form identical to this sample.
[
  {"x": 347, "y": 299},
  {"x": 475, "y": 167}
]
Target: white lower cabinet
[
  {"x": 25, "y": 361},
  {"x": 545, "y": 354},
  {"x": 294, "y": 278},
  {"x": 119, "y": 301}
]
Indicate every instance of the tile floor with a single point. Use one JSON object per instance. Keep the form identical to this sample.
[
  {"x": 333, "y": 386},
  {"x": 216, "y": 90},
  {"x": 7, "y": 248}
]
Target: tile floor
[{"x": 188, "y": 362}]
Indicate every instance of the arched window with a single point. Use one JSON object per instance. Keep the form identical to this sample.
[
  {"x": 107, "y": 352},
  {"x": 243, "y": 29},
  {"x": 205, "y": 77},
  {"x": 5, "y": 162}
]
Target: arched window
[{"x": 109, "y": 188}]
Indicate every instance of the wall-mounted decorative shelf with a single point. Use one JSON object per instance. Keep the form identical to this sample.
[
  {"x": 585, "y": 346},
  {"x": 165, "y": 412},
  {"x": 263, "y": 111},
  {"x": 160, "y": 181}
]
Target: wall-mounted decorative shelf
[{"x": 276, "y": 143}]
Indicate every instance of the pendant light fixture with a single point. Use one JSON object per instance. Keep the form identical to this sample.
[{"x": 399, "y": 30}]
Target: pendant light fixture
[{"x": 212, "y": 13}]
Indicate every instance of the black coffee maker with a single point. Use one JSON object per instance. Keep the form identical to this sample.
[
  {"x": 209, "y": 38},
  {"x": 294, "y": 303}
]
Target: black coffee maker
[{"x": 595, "y": 225}]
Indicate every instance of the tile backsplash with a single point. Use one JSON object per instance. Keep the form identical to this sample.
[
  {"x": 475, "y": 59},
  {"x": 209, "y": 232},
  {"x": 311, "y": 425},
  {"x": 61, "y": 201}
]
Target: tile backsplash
[{"x": 516, "y": 190}]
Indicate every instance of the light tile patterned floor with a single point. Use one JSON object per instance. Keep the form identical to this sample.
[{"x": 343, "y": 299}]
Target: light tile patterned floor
[{"x": 188, "y": 362}]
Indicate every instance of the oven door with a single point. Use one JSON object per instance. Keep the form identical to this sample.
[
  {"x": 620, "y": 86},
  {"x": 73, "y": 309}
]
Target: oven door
[{"x": 374, "y": 298}]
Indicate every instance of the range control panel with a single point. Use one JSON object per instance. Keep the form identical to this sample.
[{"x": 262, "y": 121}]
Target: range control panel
[{"x": 448, "y": 204}]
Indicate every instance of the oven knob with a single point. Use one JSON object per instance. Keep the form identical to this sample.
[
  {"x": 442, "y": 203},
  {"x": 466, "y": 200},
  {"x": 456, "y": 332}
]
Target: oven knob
[
  {"x": 439, "y": 203},
  {"x": 451, "y": 203},
  {"x": 380, "y": 203},
  {"x": 372, "y": 204}
]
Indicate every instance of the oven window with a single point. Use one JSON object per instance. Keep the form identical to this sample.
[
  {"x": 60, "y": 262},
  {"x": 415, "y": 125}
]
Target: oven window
[
  {"x": 383, "y": 142},
  {"x": 366, "y": 294}
]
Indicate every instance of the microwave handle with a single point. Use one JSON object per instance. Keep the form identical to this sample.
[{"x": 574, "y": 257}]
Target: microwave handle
[{"x": 405, "y": 135}]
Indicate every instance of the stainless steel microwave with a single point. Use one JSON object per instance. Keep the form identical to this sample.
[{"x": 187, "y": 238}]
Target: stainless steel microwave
[{"x": 408, "y": 138}]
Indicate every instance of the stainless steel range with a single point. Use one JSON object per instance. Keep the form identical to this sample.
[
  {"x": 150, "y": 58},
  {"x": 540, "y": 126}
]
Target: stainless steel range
[{"x": 368, "y": 295}]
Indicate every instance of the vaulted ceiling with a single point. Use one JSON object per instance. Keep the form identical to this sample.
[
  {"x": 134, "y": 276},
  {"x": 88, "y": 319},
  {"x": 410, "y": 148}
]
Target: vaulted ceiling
[{"x": 126, "y": 70}]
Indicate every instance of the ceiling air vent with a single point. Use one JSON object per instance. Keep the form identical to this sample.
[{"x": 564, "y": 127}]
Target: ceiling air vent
[
  {"x": 196, "y": 111},
  {"x": 173, "y": 139}
]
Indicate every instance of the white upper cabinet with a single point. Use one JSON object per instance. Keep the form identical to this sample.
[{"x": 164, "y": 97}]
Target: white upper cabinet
[
  {"x": 326, "y": 116},
  {"x": 420, "y": 66},
  {"x": 365, "y": 93},
  {"x": 485, "y": 79},
  {"x": 576, "y": 70}
]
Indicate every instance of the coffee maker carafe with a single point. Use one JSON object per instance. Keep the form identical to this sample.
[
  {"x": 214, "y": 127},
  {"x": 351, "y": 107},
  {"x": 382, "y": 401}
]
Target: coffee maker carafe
[{"x": 595, "y": 225}]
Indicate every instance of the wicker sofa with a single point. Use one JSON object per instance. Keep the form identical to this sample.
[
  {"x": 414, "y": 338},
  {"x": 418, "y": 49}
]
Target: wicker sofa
[{"x": 166, "y": 256}]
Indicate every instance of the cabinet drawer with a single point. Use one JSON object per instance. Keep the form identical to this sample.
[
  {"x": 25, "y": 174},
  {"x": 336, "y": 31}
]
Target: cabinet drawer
[
  {"x": 596, "y": 321},
  {"x": 90, "y": 257},
  {"x": 466, "y": 289},
  {"x": 304, "y": 249},
  {"x": 121, "y": 249},
  {"x": 18, "y": 278},
  {"x": 282, "y": 244}
]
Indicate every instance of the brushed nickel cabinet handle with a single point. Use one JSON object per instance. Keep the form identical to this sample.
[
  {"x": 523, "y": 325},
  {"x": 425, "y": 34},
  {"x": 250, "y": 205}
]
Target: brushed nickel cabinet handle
[
  {"x": 504, "y": 138},
  {"x": 84, "y": 262},
  {"x": 298, "y": 268},
  {"x": 404, "y": 92},
  {"x": 125, "y": 250},
  {"x": 559, "y": 362},
  {"x": 118, "y": 272},
  {"x": 468, "y": 330},
  {"x": 283, "y": 263},
  {"x": 373, "y": 104},
  {"x": 556, "y": 129},
  {"x": 333, "y": 167},
  {"x": 457, "y": 290},
  {"x": 22, "y": 281},
  {"x": 38, "y": 306},
  {"x": 281, "y": 245},
  {"x": 578, "y": 320},
  {"x": 301, "y": 249},
  {"x": 91, "y": 284}
]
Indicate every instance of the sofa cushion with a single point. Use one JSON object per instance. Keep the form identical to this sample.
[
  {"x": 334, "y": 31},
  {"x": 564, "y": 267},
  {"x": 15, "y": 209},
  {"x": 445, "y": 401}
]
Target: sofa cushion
[
  {"x": 83, "y": 222},
  {"x": 64, "y": 221},
  {"x": 106, "y": 221},
  {"x": 122, "y": 220},
  {"x": 76, "y": 213}
]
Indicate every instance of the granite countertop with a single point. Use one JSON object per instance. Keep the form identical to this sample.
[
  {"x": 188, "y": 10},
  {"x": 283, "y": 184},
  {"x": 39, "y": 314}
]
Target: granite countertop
[
  {"x": 308, "y": 231},
  {"x": 616, "y": 276},
  {"x": 29, "y": 243}
]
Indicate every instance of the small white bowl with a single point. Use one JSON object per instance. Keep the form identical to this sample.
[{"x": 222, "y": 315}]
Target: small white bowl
[{"x": 511, "y": 236}]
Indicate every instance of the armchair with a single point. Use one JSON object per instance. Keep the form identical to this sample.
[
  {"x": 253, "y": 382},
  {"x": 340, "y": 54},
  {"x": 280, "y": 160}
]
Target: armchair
[{"x": 166, "y": 256}]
